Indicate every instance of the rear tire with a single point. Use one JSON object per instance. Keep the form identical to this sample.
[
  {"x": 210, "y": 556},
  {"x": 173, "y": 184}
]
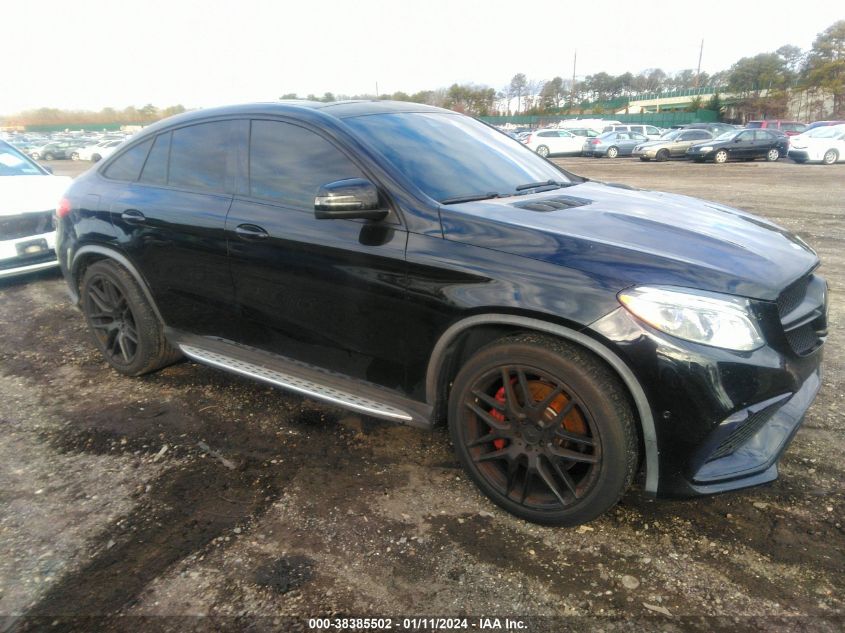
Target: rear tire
[
  {"x": 544, "y": 428},
  {"x": 543, "y": 151},
  {"x": 773, "y": 155},
  {"x": 612, "y": 152},
  {"x": 830, "y": 157},
  {"x": 124, "y": 326},
  {"x": 48, "y": 156},
  {"x": 74, "y": 156}
]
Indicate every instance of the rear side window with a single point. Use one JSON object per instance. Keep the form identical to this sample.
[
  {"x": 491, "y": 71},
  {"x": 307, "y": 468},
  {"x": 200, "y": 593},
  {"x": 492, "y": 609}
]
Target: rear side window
[
  {"x": 128, "y": 165},
  {"x": 198, "y": 156},
  {"x": 155, "y": 169},
  {"x": 636, "y": 128},
  {"x": 288, "y": 163}
]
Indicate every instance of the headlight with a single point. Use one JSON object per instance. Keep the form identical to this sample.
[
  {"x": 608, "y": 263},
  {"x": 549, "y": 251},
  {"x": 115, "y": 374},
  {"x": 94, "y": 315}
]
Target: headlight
[
  {"x": 717, "y": 320},
  {"x": 706, "y": 148}
]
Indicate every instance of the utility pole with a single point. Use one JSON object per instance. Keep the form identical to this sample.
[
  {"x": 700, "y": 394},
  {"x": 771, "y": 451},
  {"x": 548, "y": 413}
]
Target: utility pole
[
  {"x": 574, "y": 61},
  {"x": 376, "y": 89},
  {"x": 698, "y": 72}
]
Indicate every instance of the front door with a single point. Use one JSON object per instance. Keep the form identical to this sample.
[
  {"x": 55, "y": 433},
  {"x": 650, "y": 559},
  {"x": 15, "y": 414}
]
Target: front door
[{"x": 330, "y": 293}]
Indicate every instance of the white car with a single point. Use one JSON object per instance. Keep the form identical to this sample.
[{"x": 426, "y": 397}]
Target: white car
[
  {"x": 821, "y": 144},
  {"x": 99, "y": 151},
  {"x": 28, "y": 198},
  {"x": 554, "y": 141},
  {"x": 650, "y": 131}
]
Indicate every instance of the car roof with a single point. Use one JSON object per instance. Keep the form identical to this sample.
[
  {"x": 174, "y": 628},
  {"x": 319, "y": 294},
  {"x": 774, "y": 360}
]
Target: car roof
[{"x": 309, "y": 110}]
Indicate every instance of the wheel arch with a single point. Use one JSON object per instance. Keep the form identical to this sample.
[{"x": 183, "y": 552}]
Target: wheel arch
[
  {"x": 441, "y": 368},
  {"x": 91, "y": 253}
]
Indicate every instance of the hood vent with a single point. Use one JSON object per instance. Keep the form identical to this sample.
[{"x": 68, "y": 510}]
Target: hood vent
[{"x": 553, "y": 204}]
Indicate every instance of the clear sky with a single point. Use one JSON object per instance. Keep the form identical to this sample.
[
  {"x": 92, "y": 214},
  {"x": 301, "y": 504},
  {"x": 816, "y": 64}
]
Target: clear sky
[{"x": 89, "y": 54}]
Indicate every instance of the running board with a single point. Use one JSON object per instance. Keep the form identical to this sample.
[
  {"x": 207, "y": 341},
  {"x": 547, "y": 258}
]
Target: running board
[{"x": 309, "y": 381}]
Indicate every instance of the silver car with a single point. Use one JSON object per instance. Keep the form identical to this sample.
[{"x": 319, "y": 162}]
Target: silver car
[
  {"x": 613, "y": 144},
  {"x": 673, "y": 144}
]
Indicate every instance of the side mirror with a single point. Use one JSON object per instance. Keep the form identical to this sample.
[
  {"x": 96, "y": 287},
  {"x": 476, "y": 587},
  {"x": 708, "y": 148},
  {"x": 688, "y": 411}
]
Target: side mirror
[{"x": 350, "y": 199}]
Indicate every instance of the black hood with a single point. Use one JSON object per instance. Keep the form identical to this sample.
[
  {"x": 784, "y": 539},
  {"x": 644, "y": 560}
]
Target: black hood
[{"x": 624, "y": 237}]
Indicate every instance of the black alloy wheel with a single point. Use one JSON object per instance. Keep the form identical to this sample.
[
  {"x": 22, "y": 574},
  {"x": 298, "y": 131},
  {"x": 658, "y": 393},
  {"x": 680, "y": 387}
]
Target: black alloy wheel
[
  {"x": 543, "y": 429},
  {"x": 126, "y": 329},
  {"x": 111, "y": 320}
]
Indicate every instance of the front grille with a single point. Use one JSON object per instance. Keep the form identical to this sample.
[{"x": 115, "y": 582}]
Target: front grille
[
  {"x": 792, "y": 297},
  {"x": 802, "y": 308},
  {"x": 745, "y": 431},
  {"x": 26, "y": 224}
]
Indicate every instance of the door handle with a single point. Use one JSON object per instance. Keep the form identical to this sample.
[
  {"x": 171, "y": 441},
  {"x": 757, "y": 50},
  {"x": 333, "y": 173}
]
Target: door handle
[
  {"x": 251, "y": 232},
  {"x": 132, "y": 216}
]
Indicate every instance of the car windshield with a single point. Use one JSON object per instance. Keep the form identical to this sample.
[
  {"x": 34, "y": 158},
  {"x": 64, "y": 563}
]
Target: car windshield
[
  {"x": 672, "y": 135},
  {"x": 13, "y": 163},
  {"x": 727, "y": 136},
  {"x": 830, "y": 131},
  {"x": 451, "y": 156}
]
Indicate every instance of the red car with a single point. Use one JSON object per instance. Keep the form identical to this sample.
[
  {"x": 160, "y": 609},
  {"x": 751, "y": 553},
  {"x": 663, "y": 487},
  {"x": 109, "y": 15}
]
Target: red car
[{"x": 790, "y": 128}]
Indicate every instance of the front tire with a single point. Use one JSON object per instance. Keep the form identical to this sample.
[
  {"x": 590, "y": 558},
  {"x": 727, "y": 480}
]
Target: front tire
[
  {"x": 543, "y": 151},
  {"x": 95, "y": 158},
  {"x": 544, "y": 428},
  {"x": 125, "y": 328},
  {"x": 720, "y": 157},
  {"x": 74, "y": 156},
  {"x": 612, "y": 152},
  {"x": 662, "y": 155},
  {"x": 830, "y": 157},
  {"x": 772, "y": 155},
  {"x": 35, "y": 156}
]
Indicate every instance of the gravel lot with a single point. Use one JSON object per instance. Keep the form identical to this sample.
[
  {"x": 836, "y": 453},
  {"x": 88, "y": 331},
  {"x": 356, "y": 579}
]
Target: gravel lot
[{"x": 192, "y": 493}]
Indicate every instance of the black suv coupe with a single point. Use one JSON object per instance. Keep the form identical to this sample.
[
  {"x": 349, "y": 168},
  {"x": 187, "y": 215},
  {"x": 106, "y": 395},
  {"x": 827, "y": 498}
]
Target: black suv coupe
[{"x": 414, "y": 264}]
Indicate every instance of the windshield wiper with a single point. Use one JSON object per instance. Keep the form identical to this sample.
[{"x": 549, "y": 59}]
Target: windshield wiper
[
  {"x": 552, "y": 184},
  {"x": 471, "y": 198}
]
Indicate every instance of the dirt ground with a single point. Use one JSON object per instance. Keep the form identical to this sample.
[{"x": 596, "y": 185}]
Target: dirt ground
[{"x": 193, "y": 499}]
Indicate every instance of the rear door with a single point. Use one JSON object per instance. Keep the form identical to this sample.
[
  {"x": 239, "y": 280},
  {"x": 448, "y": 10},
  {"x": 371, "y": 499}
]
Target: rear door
[
  {"x": 170, "y": 221},
  {"x": 330, "y": 293}
]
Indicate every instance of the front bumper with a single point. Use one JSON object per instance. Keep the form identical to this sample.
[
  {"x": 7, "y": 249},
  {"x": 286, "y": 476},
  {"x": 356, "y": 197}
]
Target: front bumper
[
  {"x": 27, "y": 254},
  {"x": 722, "y": 419}
]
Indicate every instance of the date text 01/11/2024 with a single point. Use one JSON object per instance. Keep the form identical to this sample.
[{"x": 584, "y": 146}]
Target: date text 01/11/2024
[{"x": 417, "y": 624}]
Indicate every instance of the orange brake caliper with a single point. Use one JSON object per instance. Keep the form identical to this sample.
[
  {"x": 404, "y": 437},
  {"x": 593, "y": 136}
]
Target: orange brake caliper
[{"x": 500, "y": 442}]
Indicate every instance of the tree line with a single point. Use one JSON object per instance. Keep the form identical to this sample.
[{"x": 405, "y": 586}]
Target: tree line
[{"x": 761, "y": 85}]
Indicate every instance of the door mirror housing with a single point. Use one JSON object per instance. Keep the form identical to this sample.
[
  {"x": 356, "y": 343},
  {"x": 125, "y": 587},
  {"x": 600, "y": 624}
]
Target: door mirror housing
[{"x": 350, "y": 199}]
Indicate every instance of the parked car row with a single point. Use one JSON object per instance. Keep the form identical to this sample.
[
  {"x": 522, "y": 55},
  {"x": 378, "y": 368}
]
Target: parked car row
[
  {"x": 717, "y": 142},
  {"x": 64, "y": 146}
]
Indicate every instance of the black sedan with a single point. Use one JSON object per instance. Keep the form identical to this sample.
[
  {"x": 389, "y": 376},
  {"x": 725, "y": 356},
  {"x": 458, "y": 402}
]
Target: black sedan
[{"x": 741, "y": 145}]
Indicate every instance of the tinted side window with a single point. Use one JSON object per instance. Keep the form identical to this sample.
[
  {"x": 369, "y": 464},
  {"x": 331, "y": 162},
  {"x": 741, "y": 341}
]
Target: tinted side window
[
  {"x": 198, "y": 156},
  {"x": 155, "y": 169},
  {"x": 288, "y": 163},
  {"x": 636, "y": 128},
  {"x": 128, "y": 165}
]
